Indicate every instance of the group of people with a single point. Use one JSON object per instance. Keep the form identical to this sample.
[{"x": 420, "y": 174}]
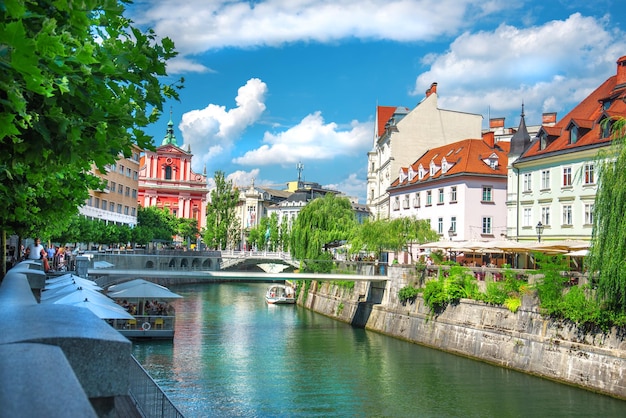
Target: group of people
[
  {"x": 54, "y": 258},
  {"x": 149, "y": 308}
]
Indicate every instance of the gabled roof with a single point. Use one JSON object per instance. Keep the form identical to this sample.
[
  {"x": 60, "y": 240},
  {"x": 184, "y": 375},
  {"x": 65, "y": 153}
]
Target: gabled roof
[
  {"x": 606, "y": 101},
  {"x": 383, "y": 114},
  {"x": 466, "y": 157}
]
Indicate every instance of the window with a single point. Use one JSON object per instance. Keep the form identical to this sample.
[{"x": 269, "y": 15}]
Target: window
[
  {"x": 133, "y": 211},
  {"x": 543, "y": 141},
  {"x": 545, "y": 215},
  {"x": 396, "y": 203},
  {"x": 127, "y": 191},
  {"x": 440, "y": 226},
  {"x": 429, "y": 198},
  {"x": 135, "y": 175},
  {"x": 453, "y": 224},
  {"x": 113, "y": 186},
  {"x": 567, "y": 214},
  {"x": 119, "y": 208},
  {"x": 104, "y": 205},
  {"x": 588, "y": 213},
  {"x": 120, "y": 188},
  {"x": 112, "y": 206},
  {"x": 440, "y": 196},
  {"x": 453, "y": 194},
  {"x": 97, "y": 205},
  {"x": 168, "y": 172},
  {"x": 567, "y": 176},
  {"x": 606, "y": 125},
  {"x": 134, "y": 193},
  {"x": 416, "y": 200},
  {"x": 590, "y": 177},
  {"x": 126, "y": 210},
  {"x": 527, "y": 182},
  {"x": 128, "y": 171},
  {"x": 405, "y": 202},
  {"x": 527, "y": 217},
  {"x": 545, "y": 180},
  {"x": 90, "y": 201},
  {"x": 120, "y": 169},
  {"x": 573, "y": 135},
  {"x": 486, "y": 225},
  {"x": 487, "y": 194}
]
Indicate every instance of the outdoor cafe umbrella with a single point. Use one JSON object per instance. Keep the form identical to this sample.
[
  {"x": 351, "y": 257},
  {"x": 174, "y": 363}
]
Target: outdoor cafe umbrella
[
  {"x": 103, "y": 311},
  {"x": 78, "y": 281},
  {"x": 146, "y": 290},
  {"x": 76, "y": 296},
  {"x": 126, "y": 285},
  {"x": 67, "y": 288}
]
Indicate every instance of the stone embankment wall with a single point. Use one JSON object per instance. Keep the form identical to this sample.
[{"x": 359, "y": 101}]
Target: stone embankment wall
[{"x": 524, "y": 341}]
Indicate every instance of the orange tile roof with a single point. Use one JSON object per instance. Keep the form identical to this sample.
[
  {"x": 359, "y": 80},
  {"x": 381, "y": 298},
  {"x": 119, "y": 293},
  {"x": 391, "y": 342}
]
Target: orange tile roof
[
  {"x": 465, "y": 157},
  {"x": 587, "y": 115},
  {"x": 384, "y": 113}
]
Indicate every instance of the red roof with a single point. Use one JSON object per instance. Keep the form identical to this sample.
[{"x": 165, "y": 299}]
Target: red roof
[
  {"x": 383, "y": 113},
  {"x": 469, "y": 156},
  {"x": 587, "y": 114}
]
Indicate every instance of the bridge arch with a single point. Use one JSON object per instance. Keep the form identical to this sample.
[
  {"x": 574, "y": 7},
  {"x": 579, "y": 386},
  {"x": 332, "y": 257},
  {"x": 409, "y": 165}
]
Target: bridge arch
[
  {"x": 149, "y": 264},
  {"x": 196, "y": 263},
  {"x": 184, "y": 263},
  {"x": 172, "y": 263},
  {"x": 206, "y": 264}
]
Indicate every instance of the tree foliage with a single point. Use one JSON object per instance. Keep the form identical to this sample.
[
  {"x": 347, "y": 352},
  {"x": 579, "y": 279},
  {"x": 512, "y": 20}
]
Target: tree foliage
[
  {"x": 155, "y": 224},
  {"x": 608, "y": 250},
  {"x": 392, "y": 235},
  {"x": 322, "y": 221},
  {"x": 222, "y": 226},
  {"x": 77, "y": 86}
]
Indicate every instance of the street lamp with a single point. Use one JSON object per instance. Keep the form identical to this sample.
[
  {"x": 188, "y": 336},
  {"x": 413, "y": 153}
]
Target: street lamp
[{"x": 539, "y": 229}]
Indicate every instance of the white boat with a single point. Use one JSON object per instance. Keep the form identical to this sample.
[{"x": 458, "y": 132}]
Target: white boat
[{"x": 280, "y": 294}]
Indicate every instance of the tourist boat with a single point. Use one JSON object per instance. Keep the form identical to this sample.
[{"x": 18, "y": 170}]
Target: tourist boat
[
  {"x": 280, "y": 294},
  {"x": 149, "y": 304}
]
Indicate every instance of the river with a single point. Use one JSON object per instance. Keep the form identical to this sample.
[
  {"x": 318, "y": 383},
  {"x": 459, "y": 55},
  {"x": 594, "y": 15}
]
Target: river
[{"x": 235, "y": 356}]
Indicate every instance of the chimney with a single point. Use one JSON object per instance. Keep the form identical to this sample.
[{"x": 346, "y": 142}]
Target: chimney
[
  {"x": 548, "y": 118},
  {"x": 620, "y": 81},
  {"x": 489, "y": 138},
  {"x": 495, "y": 123},
  {"x": 432, "y": 89}
]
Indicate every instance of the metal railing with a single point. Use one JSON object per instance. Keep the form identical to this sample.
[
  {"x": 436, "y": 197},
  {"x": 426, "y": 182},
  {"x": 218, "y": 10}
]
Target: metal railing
[{"x": 149, "y": 399}]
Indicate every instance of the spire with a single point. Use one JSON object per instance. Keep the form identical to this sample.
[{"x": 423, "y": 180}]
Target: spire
[
  {"x": 299, "y": 167},
  {"x": 521, "y": 139},
  {"x": 170, "y": 138}
]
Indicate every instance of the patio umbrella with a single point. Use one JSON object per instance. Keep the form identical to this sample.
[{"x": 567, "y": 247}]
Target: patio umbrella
[
  {"x": 73, "y": 281},
  {"x": 102, "y": 265},
  {"x": 126, "y": 285},
  {"x": 77, "y": 296},
  {"x": 146, "y": 290},
  {"x": 104, "y": 311}
]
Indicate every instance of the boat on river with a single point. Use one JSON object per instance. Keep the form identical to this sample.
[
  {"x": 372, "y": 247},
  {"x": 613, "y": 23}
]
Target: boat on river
[
  {"x": 280, "y": 294},
  {"x": 149, "y": 304}
]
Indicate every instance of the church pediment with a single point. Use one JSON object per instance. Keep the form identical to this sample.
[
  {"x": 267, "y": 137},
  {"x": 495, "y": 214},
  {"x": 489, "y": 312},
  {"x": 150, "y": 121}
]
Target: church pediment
[{"x": 170, "y": 149}]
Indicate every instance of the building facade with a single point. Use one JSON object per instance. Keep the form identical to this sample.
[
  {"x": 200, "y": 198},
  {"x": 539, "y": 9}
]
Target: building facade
[
  {"x": 167, "y": 181},
  {"x": 460, "y": 188},
  {"x": 402, "y": 135},
  {"x": 117, "y": 203},
  {"x": 553, "y": 178}
]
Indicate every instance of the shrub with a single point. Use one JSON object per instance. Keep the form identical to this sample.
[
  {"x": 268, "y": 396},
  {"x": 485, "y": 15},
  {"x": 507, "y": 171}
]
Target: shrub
[{"x": 408, "y": 293}]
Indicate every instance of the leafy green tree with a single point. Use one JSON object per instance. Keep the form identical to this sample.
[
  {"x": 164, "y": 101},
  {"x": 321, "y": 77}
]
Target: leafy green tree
[
  {"x": 77, "y": 87},
  {"x": 222, "y": 226},
  {"x": 188, "y": 229},
  {"x": 392, "y": 235},
  {"x": 154, "y": 224},
  {"x": 608, "y": 250},
  {"x": 320, "y": 222}
]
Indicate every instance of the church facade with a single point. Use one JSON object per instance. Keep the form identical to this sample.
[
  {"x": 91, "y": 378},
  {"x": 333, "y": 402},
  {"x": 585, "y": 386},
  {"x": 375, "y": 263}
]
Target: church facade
[{"x": 167, "y": 181}]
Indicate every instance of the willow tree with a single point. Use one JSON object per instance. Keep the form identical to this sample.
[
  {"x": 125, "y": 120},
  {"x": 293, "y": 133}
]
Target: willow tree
[
  {"x": 78, "y": 84},
  {"x": 322, "y": 221},
  {"x": 608, "y": 248}
]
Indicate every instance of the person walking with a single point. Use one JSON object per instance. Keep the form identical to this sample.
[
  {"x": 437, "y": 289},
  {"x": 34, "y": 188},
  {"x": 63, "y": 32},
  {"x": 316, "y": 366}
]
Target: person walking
[{"x": 35, "y": 250}]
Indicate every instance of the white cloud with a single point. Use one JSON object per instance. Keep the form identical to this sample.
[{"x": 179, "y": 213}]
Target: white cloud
[
  {"x": 242, "y": 178},
  {"x": 242, "y": 24},
  {"x": 352, "y": 186},
  {"x": 549, "y": 67},
  {"x": 214, "y": 129},
  {"x": 311, "y": 139}
]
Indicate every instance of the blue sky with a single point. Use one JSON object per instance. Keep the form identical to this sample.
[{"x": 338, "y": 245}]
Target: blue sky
[{"x": 272, "y": 83}]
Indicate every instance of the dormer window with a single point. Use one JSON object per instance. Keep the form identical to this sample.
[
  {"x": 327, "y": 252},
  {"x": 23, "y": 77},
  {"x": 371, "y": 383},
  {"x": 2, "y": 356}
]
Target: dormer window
[
  {"x": 573, "y": 134},
  {"x": 606, "y": 104},
  {"x": 543, "y": 140},
  {"x": 421, "y": 172},
  {"x": 433, "y": 168},
  {"x": 444, "y": 166},
  {"x": 606, "y": 124}
]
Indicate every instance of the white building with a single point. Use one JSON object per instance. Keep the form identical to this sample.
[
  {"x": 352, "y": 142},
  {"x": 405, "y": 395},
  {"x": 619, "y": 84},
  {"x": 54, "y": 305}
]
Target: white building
[
  {"x": 553, "y": 179},
  {"x": 402, "y": 135}
]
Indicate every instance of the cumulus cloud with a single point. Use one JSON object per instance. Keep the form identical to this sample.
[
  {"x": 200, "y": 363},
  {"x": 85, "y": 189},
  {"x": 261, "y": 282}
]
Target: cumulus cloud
[
  {"x": 242, "y": 24},
  {"x": 549, "y": 67},
  {"x": 214, "y": 129},
  {"x": 352, "y": 186},
  {"x": 311, "y": 139}
]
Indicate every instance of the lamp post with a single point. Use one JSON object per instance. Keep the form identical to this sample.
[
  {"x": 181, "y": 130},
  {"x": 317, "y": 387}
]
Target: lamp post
[
  {"x": 539, "y": 229},
  {"x": 450, "y": 235}
]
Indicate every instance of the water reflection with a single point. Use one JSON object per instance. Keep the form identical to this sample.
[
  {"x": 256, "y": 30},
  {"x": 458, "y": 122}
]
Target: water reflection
[{"x": 234, "y": 355}]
